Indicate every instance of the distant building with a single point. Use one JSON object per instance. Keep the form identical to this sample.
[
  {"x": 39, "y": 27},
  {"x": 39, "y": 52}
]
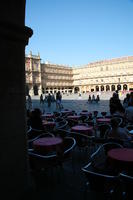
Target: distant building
[{"x": 106, "y": 75}]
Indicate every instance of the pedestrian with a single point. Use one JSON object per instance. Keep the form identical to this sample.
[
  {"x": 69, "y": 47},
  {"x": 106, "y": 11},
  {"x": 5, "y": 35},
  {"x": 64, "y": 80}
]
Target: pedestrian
[
  {"x": 49, "y": 100},
  {"x": 41, "y": 99},
  {"x": 29, "y": 103},
  {"x": 58, "y": 100}
]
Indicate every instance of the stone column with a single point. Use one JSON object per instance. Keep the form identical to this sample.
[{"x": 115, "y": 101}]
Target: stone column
[{"x": 14, "y": 176}]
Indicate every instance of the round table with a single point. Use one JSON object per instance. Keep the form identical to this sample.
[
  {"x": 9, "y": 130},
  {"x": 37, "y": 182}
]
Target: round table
[
  {"x": 66, "y": 111},
  {"x": 83, "y": 129},
  {"x": 84, "y": 113},
  {"x": 44, "y": 116},
  {"x": 75, "y": 117},
  {"x": 48, "y": 124},
  {"x": 47, "y": 144},
  {"x": 121, "y": 158},
  {"x": 103, "y": 120}
]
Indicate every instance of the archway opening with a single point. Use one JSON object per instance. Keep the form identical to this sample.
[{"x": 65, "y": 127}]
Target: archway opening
[
  {"x": 124, "y": 87},
  {"x": 76, "y": 89},
  {"x": 113, "y": 87},
  {"x": 97, "y": 88},
  {"x": 119, "y": 87},
  {"x": 102, "y": 88},
  {"x": 35, "y": 88},
  {"x": 107, "y": 87}
]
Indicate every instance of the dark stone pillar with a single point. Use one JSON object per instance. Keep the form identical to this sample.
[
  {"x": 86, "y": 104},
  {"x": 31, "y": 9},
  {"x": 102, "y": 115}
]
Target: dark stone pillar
[{"x": 13, "y": 145}]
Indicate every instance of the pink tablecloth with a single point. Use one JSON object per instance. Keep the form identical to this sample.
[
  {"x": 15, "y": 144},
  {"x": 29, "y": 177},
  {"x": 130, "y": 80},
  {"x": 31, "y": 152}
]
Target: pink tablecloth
[
  {"x": 47, "y": 116},
  {"x": 46, "y": 144},
  {"x": 84, "y": 113},
  {"x": 121, "y": 157},
  {"x": 48, "y": 124},
  {"x": 105, "y": 120},
  {"x": 83, "y": 129},
  {"x": 75, "y": 117}
]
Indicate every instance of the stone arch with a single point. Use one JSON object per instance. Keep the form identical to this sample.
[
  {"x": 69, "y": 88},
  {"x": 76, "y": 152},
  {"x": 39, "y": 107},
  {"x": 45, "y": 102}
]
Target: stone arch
[
  {"x": 118, "y": 87},
  {"x": 112, "y": 87},
  {"x": 76, "y": 89},
  {"x": 102, "y": 87},
  {"x": 97, "y": 88},
  {"x": 107, "y": 88},
  {"x": 35, "y": 88},
  {"x": 125, "y": 87}
]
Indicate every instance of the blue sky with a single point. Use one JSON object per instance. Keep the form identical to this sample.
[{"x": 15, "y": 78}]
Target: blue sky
[{"x": 76, "y": 32}]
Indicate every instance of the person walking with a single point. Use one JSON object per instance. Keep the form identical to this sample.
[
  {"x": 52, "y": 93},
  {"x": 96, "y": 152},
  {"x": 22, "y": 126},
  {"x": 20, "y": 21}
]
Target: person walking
[
  {"x": 41, "y": 99},
  {"x": 29, "y": 103},
  {"x": 49, "y": 100}
]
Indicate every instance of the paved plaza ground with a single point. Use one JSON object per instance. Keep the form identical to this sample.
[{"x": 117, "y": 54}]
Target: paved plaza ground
[{"x": 78, "y": 103}]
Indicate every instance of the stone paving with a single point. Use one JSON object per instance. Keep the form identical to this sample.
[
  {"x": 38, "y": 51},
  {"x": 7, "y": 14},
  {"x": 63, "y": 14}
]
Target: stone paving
[{"x": 78, "y": 103}]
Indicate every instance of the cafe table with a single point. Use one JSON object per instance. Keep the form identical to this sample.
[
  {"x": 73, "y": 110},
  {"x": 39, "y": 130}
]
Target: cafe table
[
  {"x": 73, "y": 117},
  {"x": 121, "y": 158},
  {"x": 47, "y": 115},
  {"x": 103, "y": 120},
  {"x": 64, "y": 112},
  {"x": 47, "y": 144},
  {"x": 88, "y": 130}
]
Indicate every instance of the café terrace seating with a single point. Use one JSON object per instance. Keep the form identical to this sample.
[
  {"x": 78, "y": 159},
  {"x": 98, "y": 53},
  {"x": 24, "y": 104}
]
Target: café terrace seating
[
  {"x": 99, "y": 176},
  {"x": 100, "y": 180},
  {"x": 40, "y": 162}
]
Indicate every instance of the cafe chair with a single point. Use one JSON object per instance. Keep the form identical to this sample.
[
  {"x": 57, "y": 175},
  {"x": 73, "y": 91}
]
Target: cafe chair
[
  {"x": 83, "y": 142},
  {"x": 69, "y": 145},
  {"x": 62, "y": 133},
  {"x": 103, "y": 129},
  {"x": 33, "y": 133},
  {"x": 126, "y": 179},
  {"x": 30, "y": 142},
  {"x": 61, "y": 124},
  {"x": 42, "y": 162},
  {"x": 99, "y": 176}
]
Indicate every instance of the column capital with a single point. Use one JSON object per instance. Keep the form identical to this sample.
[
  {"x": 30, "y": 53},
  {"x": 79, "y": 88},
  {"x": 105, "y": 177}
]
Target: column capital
[{"x": 14, "y": 32}]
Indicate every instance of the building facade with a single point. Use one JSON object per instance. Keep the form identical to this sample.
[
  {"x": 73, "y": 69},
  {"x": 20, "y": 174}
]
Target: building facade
[
  {"x": 106, "y": 75},
  {"x": 33, "y": 74}
]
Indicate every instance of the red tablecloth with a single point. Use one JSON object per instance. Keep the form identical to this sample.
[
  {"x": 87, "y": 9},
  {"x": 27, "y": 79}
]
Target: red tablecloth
[
  {"x": 47, "y": 116},
  {"x": 47, "y": 144},
  {"x": 83, "y": 129},
  {"x": 85, "y": 113},
  {"x": 73, "y": 117},
  {"x": 121, "y": 158},
  {"x": 106, "y": 120},
  {"x": 48, "y": 124}
]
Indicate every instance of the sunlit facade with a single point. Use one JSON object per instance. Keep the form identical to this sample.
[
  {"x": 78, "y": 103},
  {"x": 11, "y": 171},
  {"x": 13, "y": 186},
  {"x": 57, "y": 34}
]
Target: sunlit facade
[{"x": 106, "y": 75}]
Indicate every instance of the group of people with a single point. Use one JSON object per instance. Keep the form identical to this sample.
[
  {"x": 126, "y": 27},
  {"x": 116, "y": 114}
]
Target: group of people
[
  {"x": 93, "y": 99},
  {"x": 125, "y": 111},
  {"x": 50, "y": 98}
]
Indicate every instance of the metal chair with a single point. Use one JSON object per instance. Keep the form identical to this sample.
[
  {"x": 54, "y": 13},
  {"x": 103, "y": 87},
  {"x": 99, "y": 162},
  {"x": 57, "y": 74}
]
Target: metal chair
[
  {"x": 99, "y": 176},
  {"x": 127, "y": 185}
]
